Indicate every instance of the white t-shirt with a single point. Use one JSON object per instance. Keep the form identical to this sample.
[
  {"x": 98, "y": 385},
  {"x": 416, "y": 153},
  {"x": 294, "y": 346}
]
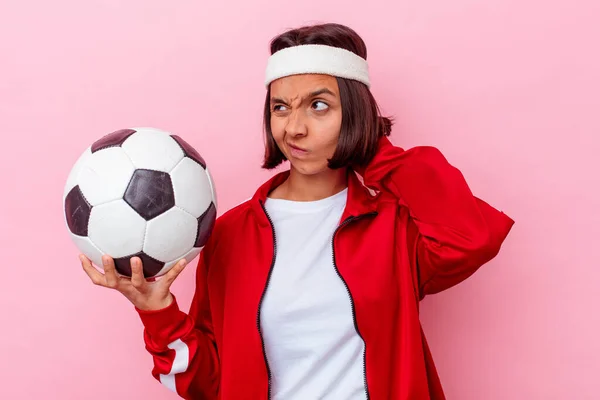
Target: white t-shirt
[{"x": 312, "y": 346}]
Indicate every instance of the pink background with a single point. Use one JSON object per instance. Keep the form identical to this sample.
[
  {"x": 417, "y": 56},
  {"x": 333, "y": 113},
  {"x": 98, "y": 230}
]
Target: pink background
[{"x": 507, "y": 89}]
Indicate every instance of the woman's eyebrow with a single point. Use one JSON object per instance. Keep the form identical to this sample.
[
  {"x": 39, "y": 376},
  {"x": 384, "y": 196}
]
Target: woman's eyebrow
[
  {"x": 278, "y": 100},
  {"x": 310, "y": 95},
  {"x": 320, "y": 92}
]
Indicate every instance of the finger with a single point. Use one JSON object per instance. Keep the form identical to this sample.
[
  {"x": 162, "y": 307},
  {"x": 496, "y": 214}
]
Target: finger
[
  {"x": 96, "y": 277},
  {"x": 137, "y": 274},
  {"x": 110, "y": 272},
  {"x": 174, "y": 272}
]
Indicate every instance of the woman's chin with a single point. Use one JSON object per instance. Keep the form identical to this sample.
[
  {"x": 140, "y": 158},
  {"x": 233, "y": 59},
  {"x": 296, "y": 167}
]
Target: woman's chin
[{"x": 309, "y": 168}]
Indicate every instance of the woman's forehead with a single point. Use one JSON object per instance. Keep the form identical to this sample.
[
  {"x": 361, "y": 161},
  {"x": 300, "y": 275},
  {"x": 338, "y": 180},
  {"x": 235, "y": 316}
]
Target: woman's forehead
[{"x": 303, "y": 84}]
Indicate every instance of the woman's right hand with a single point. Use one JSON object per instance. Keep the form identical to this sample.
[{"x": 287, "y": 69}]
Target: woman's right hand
[{"x": 143, "y": 294}]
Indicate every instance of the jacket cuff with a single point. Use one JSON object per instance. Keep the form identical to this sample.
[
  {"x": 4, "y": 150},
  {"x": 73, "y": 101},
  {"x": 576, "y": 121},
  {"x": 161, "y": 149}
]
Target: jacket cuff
[
  {"x": 381, "y": 164},
  {"x": 159, "y": 323},
  {"x": 382, "y": 142}
]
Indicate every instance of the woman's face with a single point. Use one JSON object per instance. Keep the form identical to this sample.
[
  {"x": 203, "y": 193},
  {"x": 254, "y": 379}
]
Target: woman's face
[{"x": 306, "y": 118}]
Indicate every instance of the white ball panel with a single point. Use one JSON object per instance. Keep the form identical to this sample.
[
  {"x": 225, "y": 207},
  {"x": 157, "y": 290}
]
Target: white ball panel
[
  {"x": 170, "y": 235},
  {"x": 189, "y": 257},
  {"x": 85, "y": 245},
  {"x": 73, "y": 178},
  {"x": 105, "y": 176},
  {"x": 212, "y": 187},
  {"x": 191, "y": 187},
  {"x": 153, "y": 149},
  {"x": 117, "y": 229}
]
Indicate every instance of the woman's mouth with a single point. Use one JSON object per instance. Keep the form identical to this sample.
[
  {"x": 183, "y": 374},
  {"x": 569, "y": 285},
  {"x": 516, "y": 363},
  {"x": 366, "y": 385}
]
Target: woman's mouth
[{"x": 297, "y": 152}]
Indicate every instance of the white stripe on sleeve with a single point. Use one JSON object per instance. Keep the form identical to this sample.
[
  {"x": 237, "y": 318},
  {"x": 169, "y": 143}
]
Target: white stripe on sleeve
[{"x": 180, "y": 364}]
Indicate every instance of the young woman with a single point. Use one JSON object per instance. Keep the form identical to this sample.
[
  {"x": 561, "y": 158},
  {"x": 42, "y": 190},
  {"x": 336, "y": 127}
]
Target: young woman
[{"x": 311, "y": 289}]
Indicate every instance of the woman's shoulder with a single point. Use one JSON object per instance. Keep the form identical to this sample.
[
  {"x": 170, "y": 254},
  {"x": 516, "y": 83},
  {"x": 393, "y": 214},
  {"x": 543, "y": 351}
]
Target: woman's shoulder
[
  {"x": 231, "y": 217},
  {"x": 230, "y": 224}
]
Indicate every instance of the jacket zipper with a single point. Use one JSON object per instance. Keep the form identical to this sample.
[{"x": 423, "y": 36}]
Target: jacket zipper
[
  {"x": 262, "y": 298},
  {"x": 345, "y": 222}
]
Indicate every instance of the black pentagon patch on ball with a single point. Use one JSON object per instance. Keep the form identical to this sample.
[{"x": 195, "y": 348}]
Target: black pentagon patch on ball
[
  {"x": 150, "y": 193},
  {"x": 206, "y": 222},
  {"x": 151, "y": 266},
  {"x": 189, "y": 151},
  {"x": 114, "y": 139},
  {"x": 77, "y": 212}
]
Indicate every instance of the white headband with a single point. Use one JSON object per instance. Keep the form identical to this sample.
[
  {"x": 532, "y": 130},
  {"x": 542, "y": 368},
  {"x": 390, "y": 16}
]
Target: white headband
[{"x": 317, "y": 59}]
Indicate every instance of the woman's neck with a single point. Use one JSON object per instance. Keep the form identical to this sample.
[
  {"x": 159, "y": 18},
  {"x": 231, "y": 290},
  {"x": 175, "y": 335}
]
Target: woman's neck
[{"x": 300, "y": 187}]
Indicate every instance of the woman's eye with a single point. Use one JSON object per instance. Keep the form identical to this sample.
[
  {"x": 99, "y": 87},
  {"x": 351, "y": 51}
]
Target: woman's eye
[
  {"x": 279, "y": 107},
  {"x": 320, "y": 106}
]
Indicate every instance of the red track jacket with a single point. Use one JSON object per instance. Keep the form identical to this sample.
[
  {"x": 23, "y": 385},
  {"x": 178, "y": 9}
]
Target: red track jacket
[{"x": 422, "y": 231}]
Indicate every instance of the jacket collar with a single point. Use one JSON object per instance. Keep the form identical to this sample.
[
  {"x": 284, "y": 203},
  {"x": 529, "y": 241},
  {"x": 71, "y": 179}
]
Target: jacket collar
[{"x": 360, "y": 200}]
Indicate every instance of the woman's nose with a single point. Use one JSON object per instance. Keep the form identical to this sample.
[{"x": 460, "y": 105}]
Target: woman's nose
[{"x": 296, "y": 125}]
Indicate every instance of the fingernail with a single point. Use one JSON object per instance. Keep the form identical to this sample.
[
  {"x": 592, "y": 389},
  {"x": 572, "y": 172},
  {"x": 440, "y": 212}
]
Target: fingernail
[
  {"x": 81, "y": 258},
  {"x": 105, "y": 260},
  {"x": 182, "y": 263}
]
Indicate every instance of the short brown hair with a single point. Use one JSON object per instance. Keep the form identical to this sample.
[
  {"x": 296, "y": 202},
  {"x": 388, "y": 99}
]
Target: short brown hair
[{"x": 362, "y": 123}]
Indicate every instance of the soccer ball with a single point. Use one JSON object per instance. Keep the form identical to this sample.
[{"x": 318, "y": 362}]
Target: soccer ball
[{"x": 140, "y": 192}]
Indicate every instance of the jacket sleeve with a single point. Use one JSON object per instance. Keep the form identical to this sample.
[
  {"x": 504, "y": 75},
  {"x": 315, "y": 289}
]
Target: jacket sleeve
[
  {"x": 183, "y": 346},
  {"x": 456, "y": 232}
]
